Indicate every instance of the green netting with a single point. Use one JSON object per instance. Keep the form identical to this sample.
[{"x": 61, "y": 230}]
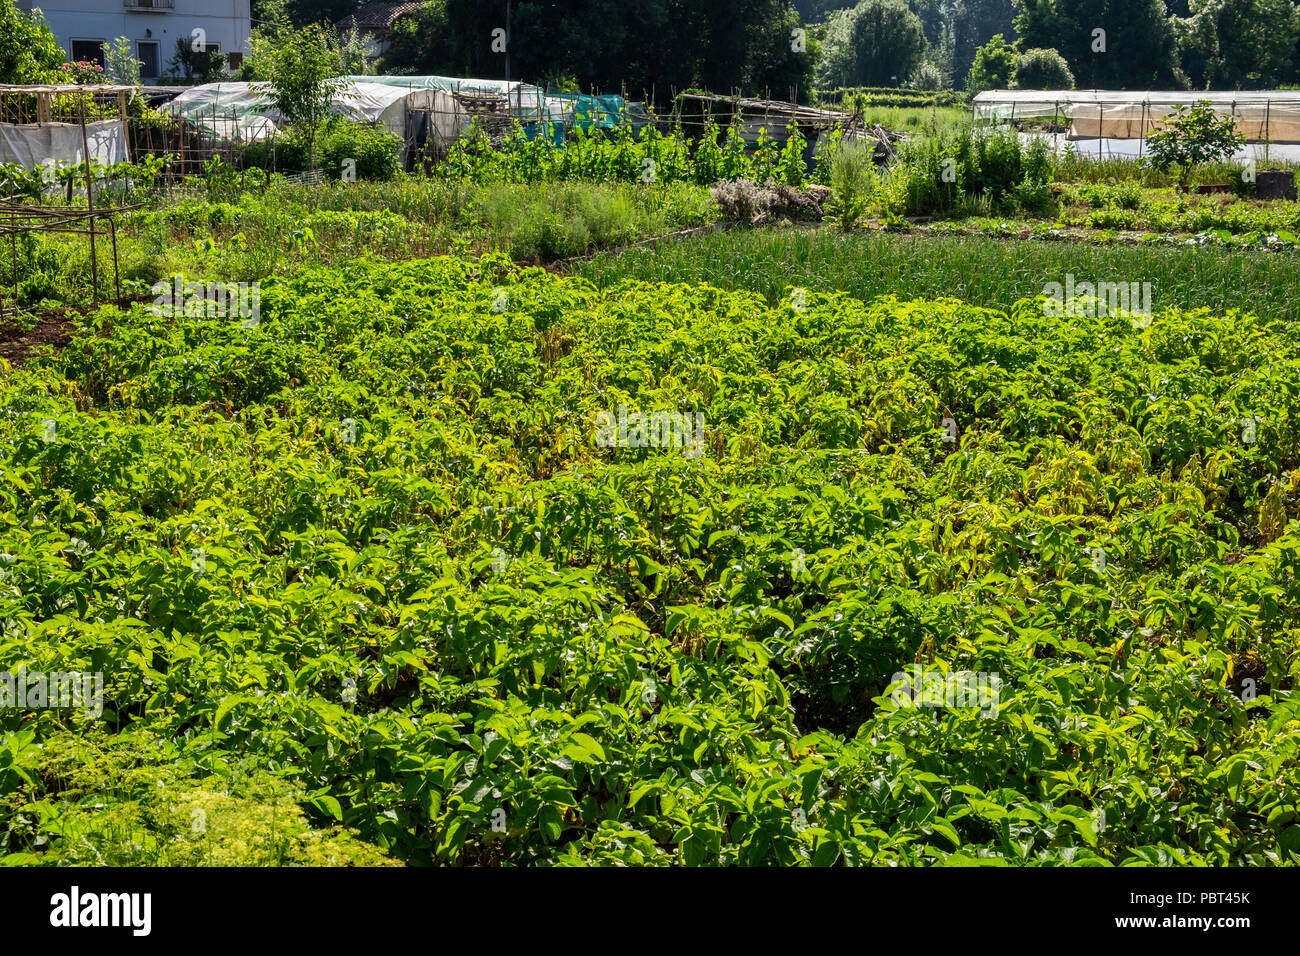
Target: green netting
[{"x": 583, "y": 112}]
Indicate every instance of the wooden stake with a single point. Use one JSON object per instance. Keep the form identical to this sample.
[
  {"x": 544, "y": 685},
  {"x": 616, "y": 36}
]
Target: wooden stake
[
  {"x": 117, "y": 275},
  {"x": 90, "y": 200},
  {"x": 121, "y": 115}
]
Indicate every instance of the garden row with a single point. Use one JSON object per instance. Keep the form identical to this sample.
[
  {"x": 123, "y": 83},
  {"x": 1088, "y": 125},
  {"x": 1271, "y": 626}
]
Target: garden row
[{"x": 461, "y": 562}]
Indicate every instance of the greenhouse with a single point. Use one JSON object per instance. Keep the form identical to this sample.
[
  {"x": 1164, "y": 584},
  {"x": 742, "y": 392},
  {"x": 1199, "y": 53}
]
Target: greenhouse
[
  {"x": 424, "y": 111},
  {"x": 1264, "y": 116},
  {"x": 228, "y": 111},
  {"x": 244, "y": 113},
  {"x": 521, "y": 101}
]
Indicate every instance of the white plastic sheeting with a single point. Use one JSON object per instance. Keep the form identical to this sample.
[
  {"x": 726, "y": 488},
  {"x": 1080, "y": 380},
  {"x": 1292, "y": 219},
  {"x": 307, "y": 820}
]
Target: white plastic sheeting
[
  {"x": 230, "y": 111},
  {"x": 1133, "y": 148},
  {"x": 525, "y": 102},
  {"x": 562, "y": 110},
  {"x": 244, "y": 112},
  {"x": 1272, "y": 115},
  {"x": 38, "y": 144},
  {"x": 366, "y": 102}
]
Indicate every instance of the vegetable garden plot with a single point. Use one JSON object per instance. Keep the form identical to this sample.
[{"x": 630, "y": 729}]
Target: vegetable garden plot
[{"x": 943, "y": 584}]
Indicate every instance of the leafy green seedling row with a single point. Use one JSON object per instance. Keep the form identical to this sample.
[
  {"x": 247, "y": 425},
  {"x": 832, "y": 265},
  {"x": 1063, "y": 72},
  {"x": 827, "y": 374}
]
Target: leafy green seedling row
[{"x": 366, "y": 581}]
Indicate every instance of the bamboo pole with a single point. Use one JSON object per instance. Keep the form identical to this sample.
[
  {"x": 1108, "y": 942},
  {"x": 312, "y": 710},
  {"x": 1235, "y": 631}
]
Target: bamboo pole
[
  {"x": 90, "y": 200},
  {"x": 121, "y": 115},
  {"x": 1142, "y": 129},
  {"x": 117, "y": 274},
  {"x": 13, "y": 246},
  {"x": 1268, "y": 137}
]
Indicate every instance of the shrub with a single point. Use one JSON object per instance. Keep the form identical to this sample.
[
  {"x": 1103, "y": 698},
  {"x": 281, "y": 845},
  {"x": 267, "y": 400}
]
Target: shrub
[
  {"x": 991, "y": 162},
  {"x": 853, "y": 181},
  {"x": 121, "y": 66},
  {"x": 1036, "y": 198},
  {"x": 937, "y": 174},
  {"x": 1034, "y": 192},
  {"x": 745, "y": 201},
  {"x": 1038, "y": 163},
  {"x": 928, "y": 77},
  {"x": 994, "y": 63},
  {"x": 929, "y": 175},
  {"x": 285, "y": 151},
  {"x": 1194, "y": 135},
  {"x": 1040, "y": 69},
  {"x": 29, "y": 51},
  {"x": 375, "y": 150}
]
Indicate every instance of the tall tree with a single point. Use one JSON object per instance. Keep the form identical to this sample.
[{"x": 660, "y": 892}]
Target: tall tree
[
  {"x": 1239, "y": 44},
  {"x": 936, "y": 18},
  {"x": 652, "y": 45},
  {"x": 974, "y": 23},
  {"x": 877, "y": 43},
  {"x": 299, "y": 13},
  {"x": 301, "y": 77},
  {"x": 1041, "y": 70},
  {"x": 995, "y": 62},
  {"x": 1107, "y": 43}
]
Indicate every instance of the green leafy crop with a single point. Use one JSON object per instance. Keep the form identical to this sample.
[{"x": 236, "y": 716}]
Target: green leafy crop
[{"x": 362, "y": 582}]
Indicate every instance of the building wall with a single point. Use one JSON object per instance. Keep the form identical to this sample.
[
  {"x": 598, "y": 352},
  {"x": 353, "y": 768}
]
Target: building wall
[{"x": 225, "y": 23}]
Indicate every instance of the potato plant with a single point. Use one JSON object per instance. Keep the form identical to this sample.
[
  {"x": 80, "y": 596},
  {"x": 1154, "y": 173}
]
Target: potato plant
[{"x": 367, "y": 560}]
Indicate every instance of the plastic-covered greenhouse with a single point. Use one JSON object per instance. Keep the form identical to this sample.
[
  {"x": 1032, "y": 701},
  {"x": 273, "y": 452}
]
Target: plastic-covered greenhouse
[
  {"x": 1262, "y": 116},
  {"x": 530, "y": 105},
  {"x": 524, "y": 102},
  {"x": 242, "y": 112},
  {"x": 229, "y": 111},
  {"x": 421, "y": 110}
]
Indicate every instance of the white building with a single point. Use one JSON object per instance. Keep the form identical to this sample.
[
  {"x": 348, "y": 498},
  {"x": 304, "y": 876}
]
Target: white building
[
  {"x": 84, "y": 27},
  {"x": 375, "y": 22}
]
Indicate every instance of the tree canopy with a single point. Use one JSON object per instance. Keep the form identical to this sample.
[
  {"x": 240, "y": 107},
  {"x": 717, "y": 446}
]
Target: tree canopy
[
  {"x": 1040, "y": 69},
  {"x": 1108, "y": 44},
  {"x": 652, "y": 46},
  {"x": 994, "y": 63},
  {"x": 29, "y": 52},
  {"x": 656, "y": 47},
  {"x": 1234, "y": 44},
  {"x": 876, "y": 43}
]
